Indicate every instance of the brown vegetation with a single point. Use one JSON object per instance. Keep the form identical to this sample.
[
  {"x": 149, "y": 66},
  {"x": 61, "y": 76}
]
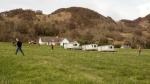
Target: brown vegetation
[{"x": 76, "y": 23}]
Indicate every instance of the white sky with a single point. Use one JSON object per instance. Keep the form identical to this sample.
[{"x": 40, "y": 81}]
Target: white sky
[{"x": 117, "y": 9}]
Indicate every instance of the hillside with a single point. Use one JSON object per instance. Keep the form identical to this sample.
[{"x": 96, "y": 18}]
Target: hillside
[
  {"x": 139, "y": 28},
  {"x": 77, "y": 19},
  {"x": 81, "y": 24}
]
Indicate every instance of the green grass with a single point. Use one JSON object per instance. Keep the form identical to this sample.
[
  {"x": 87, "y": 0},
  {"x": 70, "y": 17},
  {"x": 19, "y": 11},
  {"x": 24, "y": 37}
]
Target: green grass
[{"x": 41, "y": 65}]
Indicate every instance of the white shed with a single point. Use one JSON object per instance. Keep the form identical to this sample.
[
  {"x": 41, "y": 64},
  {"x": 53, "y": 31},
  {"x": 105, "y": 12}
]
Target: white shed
[
  {"x": 41, "y": 42},
  {"x": 106, "y": 48},
  {"x": 90, "y": 47},
  {"x": 72, "y": 45},
  {"x": 125, "y": 46},
  {"x": 64, "y": 41}
]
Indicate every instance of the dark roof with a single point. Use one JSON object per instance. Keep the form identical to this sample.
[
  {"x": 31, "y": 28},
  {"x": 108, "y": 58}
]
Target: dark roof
[{"x": 51, "y": 39}]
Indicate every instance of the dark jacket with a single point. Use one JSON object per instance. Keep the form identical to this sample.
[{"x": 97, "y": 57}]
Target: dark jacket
[{"x": 19, "y": 44}]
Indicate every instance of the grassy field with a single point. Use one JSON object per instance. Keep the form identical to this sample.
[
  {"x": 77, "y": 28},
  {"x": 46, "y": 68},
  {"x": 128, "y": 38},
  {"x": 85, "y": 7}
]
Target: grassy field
[{"x": 41, "y": 65}]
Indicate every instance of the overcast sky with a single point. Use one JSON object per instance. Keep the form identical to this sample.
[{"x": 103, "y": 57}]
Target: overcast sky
[{"x": 117, "y": 9}]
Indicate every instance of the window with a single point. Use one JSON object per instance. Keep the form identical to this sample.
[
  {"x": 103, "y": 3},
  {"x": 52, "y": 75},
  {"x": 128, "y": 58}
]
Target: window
[
  {"x": 94, "y": 45},
  {"x": 75, "y": 44}
]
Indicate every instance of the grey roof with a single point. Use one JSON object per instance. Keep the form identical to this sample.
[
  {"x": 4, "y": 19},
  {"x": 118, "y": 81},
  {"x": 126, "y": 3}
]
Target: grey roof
[{"x": 51, "y": 39}]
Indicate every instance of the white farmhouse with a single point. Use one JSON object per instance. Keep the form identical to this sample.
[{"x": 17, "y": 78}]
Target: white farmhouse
[
  {"x": 90, "y": 47},
  {"x": 72, "y": 45},
  {"x": 64, "y": 41},
  {"x": 50, "y": 40},
  {"x": 106, "y": 48}
]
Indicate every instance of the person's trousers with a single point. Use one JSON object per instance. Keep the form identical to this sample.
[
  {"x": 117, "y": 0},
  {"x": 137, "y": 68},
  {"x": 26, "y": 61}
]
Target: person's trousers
[{"x": 19, "y": 49}]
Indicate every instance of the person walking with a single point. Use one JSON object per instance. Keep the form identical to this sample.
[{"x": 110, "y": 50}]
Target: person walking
[
  {"x": 52, "y": 46},
  {"x": 139, "y": 50},
  {"x": 19, "y": 47}
]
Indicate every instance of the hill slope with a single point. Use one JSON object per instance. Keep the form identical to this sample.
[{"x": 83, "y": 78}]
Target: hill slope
[{"x": 82, "y": 24}]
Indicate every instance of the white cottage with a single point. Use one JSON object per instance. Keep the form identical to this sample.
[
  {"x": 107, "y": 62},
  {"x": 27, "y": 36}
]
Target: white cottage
[
  {"x": 64, "y": 41},
  {"x": 50, "y": 40},
  {"x": 72, "y": 45},
  {"x": 90, "y": 47},
  {"x": 106, "y": 48}
]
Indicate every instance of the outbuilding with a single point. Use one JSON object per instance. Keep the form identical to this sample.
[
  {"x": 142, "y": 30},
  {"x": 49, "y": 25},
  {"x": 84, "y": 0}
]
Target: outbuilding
[
  {"x": 125, "y": 46},
  {"x": 106, "y": 48},
  {"x": 72, "y": 45},
  {"x": 64, "y": 41},
  {"x": 90, "y": 47}
]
